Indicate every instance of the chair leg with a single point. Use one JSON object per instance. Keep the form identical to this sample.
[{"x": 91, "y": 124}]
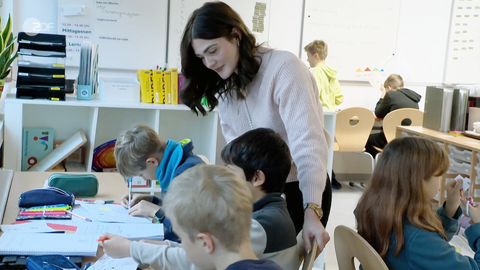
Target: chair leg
[{"x": 360, "y": 186}]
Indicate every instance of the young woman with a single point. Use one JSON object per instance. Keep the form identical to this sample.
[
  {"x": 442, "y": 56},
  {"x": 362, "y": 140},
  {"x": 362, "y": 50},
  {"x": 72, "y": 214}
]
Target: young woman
[
  {"x": 395, "y": 214},
  {"x": 253, "y": 87}
]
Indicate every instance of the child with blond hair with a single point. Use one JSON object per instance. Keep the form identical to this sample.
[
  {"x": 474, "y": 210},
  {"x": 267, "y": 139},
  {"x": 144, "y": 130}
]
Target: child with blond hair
[
  {"x": 141, "y": 152},
  {"x": 211, "y": 211},
  {"x": 262, "y": 159},
  {"x": 326, "y": 77}
]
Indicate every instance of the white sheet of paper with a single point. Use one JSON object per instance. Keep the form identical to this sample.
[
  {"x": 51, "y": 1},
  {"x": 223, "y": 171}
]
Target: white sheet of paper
[
  {"x": 112, "y": 213},
  {"x": 376, "y": 79},
  {"x": 461, "y": 246},
  {"x": 466, "y": 182},
  {"x": 150, "y": 231},
  {"x": 30, "y": 227},
  {"x": 106, "y": 262}
]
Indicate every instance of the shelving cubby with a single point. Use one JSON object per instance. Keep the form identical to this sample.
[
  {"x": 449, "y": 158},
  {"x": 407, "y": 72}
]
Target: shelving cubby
[{"x": 102, "y": 122}]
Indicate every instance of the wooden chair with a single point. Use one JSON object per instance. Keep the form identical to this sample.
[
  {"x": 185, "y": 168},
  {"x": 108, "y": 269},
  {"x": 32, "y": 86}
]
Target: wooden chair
[
  {"x": 307, "y": 258},
  {"x": 353, "y": 126},
  {"x": 400, "y": 117},
  {"x": 349, "y": 244},
  {"x": 205, "y": 159}
]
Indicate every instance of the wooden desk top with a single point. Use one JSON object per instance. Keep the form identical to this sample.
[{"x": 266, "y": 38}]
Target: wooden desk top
[
  {"x": 461, "y": 141},
  {"x": 111, "y": 186}
]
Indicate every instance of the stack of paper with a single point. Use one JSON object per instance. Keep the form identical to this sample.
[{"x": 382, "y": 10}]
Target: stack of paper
[{"x": 12, "y": 243}]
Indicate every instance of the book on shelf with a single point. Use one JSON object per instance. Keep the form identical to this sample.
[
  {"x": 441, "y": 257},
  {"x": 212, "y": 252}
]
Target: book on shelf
[
  {"x": 37, "y": 143},
  {"x": 87, "y": 82}
]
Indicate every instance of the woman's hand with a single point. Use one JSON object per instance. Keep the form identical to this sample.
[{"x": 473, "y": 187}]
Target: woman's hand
[
  {"x": 136, "y": 198},
  {"x": 313, "y": 228},
  {"x": 144, "y": 209},
  {"x": 454, "y": 194},
  {"x": 115, "y": 246}
]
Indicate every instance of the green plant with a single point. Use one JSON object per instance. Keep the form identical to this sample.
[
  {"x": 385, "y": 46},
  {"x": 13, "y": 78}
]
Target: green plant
[{"x": 7, "y": 49}]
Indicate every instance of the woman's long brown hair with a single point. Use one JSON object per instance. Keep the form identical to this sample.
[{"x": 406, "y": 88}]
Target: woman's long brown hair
[{"x": 396, "y": 194}]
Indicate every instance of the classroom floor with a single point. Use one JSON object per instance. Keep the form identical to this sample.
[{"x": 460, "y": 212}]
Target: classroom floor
[{"x": 343, "y": 203}]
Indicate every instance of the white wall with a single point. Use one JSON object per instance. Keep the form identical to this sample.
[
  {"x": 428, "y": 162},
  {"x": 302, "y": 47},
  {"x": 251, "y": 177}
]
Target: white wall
[
  {"x": 285, "y": 30},
  {"x": 7, "y": 8},
  {"x": 362, "y": 94},
  {"x": 285, "y": 35}
]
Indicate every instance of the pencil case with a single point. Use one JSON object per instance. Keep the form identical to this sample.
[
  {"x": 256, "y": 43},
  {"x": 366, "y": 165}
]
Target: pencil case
[
  {"x": 46, "y": 196},
  {"x": 47, "y": 262},
  {"x": 81, "y": 185}
]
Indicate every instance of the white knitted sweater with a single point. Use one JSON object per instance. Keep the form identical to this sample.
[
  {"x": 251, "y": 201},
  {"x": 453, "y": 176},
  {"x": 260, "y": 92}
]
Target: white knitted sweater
[{"x": 284, "y": 97}]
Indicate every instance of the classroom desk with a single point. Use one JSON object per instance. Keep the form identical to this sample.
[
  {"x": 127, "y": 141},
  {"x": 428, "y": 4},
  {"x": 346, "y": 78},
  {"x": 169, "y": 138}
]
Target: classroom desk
[
  {"x": 462, "y": 142},
  {"x": 111, "y": 187}
]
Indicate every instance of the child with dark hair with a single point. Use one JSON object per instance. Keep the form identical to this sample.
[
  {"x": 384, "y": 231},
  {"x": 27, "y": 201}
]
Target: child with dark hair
[{"x": 262, "y": 158}]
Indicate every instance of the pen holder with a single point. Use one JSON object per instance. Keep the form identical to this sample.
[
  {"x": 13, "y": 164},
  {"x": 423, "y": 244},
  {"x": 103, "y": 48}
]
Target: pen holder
[{"x": 85, "y": 92}]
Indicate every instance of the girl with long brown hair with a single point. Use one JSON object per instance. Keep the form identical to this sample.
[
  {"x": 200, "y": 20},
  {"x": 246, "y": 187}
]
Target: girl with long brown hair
[{"x": 396, "y": 217}]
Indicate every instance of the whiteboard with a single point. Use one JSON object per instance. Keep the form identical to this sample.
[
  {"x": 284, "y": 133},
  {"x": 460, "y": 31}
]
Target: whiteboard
[
  {"x": 422, "y": 41},
  {"x": 463, "y": 55},
  {"x": 130, "y": 35},
  {"x": 361, "y": 35},
  {"x": 180, "y": 11}
]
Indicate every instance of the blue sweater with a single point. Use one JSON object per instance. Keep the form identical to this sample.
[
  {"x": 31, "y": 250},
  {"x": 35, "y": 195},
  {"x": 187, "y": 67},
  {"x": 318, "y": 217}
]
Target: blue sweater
[
  {"x": 172, "y": 165},
  {"x": 428, "y": 250}
]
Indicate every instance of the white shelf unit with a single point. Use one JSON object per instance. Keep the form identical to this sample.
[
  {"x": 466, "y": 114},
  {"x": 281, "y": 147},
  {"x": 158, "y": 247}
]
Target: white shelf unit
[{"x": 104, "y": 121}]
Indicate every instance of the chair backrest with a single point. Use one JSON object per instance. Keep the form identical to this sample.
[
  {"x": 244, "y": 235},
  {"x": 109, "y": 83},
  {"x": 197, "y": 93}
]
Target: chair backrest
[
  {"x": 205, "y": 159},
  {"x": 396, "y": 117},
  {"x": 349, "y": 244},
  {"x": 307, "y": 258},
  {"x": 351, "y": 135}
]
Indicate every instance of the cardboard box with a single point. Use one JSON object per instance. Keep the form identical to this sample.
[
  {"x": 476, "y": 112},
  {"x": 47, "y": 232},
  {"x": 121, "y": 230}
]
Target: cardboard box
[
  {"x": 174, "y": 82},
  {"x": 118, "y": 89},
  {"x": 167, "y": 79},
  {"x": 76, "y": 157},
  {"x": 158, "y": 86},
  {"x": 145, "y": 77}
]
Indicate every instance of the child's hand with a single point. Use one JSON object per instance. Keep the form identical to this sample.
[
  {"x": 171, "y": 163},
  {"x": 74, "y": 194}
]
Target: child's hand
[
  {"x": 136, "y": 198},
  {"x": 382, "y": 88},
  {"x": 473, "y": 211},
  {"x": 115, "y": 246},
  {"x": 144, "y": 209},
  {"x": 454, "y": 193}
]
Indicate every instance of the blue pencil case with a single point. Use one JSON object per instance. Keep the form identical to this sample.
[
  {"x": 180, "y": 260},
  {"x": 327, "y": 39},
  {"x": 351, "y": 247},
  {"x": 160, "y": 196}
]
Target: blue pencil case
[
  {"x": 46, "y": 196},
  {"x": 50, "y": 262}
]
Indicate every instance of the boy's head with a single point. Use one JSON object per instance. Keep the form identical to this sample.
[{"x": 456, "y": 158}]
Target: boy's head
[
  {"x": 393, "y": 82},
  {"x": 138, "y": 152},
  {"x": 317, "y": 51},
  {"x": 210, "y": 208},
  {"x": 262, "y": 155}
]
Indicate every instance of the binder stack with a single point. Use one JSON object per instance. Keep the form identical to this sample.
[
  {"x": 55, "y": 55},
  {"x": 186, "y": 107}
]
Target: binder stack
[
  {"x": 35, "y": 79},
  {"x": 88, "y": 73}
]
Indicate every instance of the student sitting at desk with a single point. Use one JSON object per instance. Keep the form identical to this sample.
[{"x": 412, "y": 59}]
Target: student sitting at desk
[
  {"x": 395, "y": 214},
  {"x": 141, "y": 152},
  {"x": 394, "y": 97},
  {"x": 263, "y": 159}
]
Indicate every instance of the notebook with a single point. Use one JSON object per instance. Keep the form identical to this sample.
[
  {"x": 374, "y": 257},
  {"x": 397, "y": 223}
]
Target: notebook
[
  {"x": 48, "y": 244},
  {"x": 137, "y": 231},
  {"x": 112, "y": 213}
]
